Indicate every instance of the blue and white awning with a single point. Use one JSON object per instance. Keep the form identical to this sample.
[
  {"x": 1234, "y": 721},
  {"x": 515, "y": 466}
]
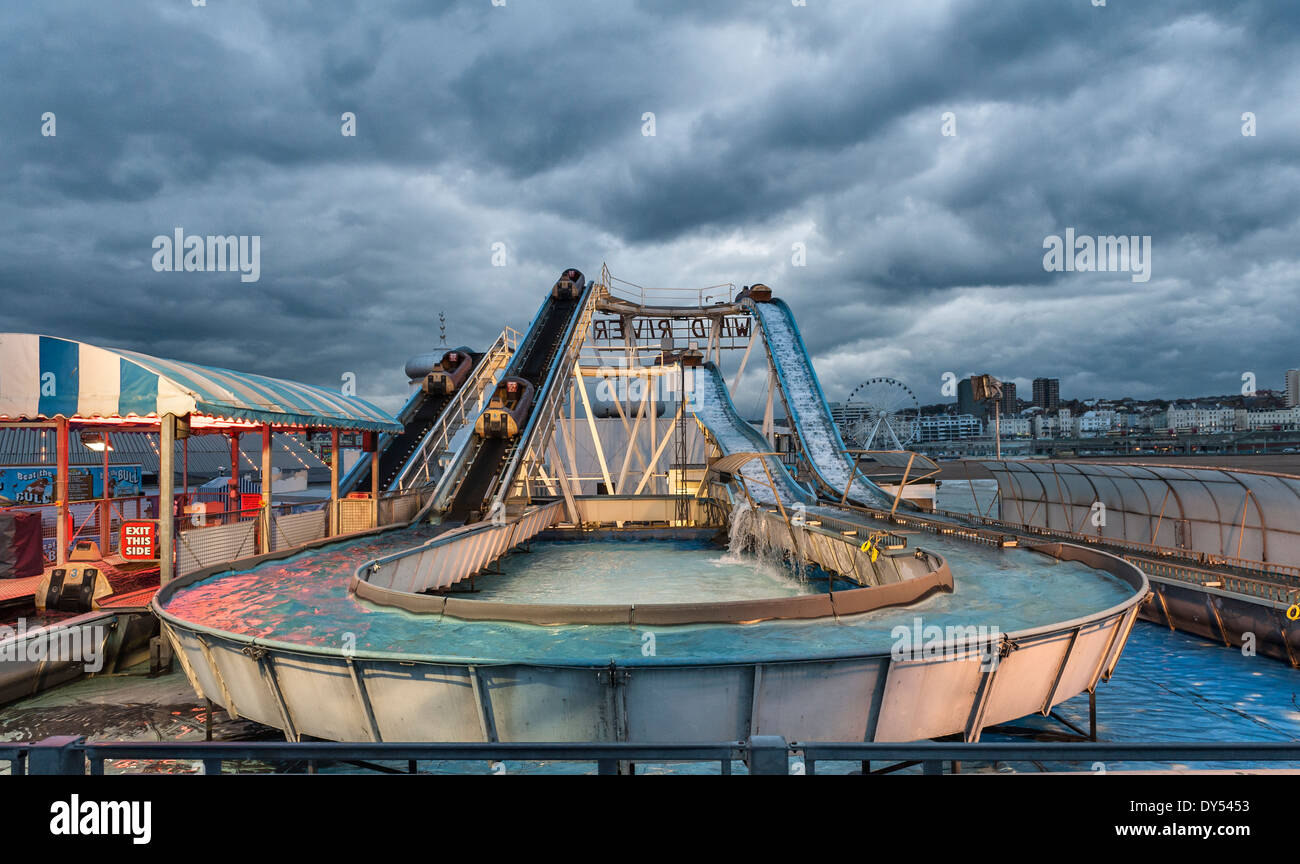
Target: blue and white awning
[{"x": 44, "y": 376}]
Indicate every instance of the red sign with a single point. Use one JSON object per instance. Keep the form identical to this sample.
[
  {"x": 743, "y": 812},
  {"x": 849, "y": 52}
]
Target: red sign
[{"x": 138, "y": 541}]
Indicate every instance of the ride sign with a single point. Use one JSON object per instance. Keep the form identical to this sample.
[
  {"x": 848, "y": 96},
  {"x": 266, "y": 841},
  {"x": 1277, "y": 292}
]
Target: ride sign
[{"x": 138, "y": 540}]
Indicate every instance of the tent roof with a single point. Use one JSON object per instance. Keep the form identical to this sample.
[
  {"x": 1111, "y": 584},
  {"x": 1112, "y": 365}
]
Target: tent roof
[
  {"x": 1218, "y": 511},
  {"x": 46, "y": 376}
]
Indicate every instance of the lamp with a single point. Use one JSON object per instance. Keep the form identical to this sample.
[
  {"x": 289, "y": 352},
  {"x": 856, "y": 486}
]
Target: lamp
[{"x": 96, "y": 441}]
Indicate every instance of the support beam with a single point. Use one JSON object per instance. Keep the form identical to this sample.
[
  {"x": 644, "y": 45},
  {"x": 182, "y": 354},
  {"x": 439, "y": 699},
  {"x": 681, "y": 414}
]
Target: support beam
[
  {"x": 266, "y": 489},
  {"x": 652, "y": 388},
  {"x": 633, "y": 443},
  {"x": 595, "y": 434},
  {"x": 769, "y": 419},
  {"x": 61, "y": 493},
  {"x": 105, "y": 504},
  {"x": 234, "y": 502},
  {"x": 374, "y": 484},
  {"x": 649, "y": 472},
  {"x": 902, "y": 487},
  {"x": 569, "y": 503},
  {"x": 753, "y": 336},
  {"x": 334, "y": 483},
  {"x": 166, "y": 498}
]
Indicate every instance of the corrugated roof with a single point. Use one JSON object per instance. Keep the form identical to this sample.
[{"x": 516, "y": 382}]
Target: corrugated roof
[
  {"x": 46, "y": 376},
  {"x": 209, "y": 454}
]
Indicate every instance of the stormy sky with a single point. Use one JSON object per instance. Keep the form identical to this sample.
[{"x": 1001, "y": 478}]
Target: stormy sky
[{"x": 775, "y": 125}]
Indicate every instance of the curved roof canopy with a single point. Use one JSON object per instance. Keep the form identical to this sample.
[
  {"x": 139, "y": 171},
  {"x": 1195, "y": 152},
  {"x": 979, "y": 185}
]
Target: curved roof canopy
[
  {"x": 1217, "y": 511},
  {"x": 44, "y": 376}
]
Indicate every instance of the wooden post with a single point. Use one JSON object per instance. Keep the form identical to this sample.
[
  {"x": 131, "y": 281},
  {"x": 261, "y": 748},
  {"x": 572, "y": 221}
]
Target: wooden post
[
  {"x": 166, "y": 497},
  {"x": 334, "y": 483},
  {"x": 61, "y": 492},
  {"x": 266, "y": 488}
]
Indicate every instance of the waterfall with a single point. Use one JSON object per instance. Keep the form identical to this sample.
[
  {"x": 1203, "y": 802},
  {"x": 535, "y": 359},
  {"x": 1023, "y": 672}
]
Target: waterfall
[{"x": 749, "y": 535}]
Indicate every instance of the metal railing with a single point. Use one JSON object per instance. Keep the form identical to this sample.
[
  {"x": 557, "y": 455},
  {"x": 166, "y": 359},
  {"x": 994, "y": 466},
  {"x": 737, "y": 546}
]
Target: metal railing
[
  {"x": 418, "y": 469},
  {"x": 761, "y": 754},
  {"x": 530, "y": 447},
  {"x": 1289, "y": 573},
  {"x": 1214, "y": 579},
  {"x": 621, "y": 289}
]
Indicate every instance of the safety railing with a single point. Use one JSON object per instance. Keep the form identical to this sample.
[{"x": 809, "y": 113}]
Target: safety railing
[
  {"x": 422, "y": 468},
  {"x": 621, "y": 289},
  {"x": 530, "y": 447},
  {"x": 758, "y": 755},
  {"x": 100, "y": 520},
  {"x": 1214, "y": 579},
  {"x": 1288, "y": 572},
  {"x": 456, "y": 555}
]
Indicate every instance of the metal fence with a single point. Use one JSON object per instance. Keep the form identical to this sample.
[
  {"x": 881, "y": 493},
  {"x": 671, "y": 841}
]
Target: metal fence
[{"x": 760, "y": 754}]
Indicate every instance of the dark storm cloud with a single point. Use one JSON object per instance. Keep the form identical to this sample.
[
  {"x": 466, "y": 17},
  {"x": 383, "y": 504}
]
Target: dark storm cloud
[{"x": 775, "y": 125}]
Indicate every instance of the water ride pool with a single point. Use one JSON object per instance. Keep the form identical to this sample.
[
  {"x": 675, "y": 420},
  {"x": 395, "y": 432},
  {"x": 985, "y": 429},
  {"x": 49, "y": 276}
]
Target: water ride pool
[
  {"x": 304, "y": 599},
  {"x": 288, "y": 644}
]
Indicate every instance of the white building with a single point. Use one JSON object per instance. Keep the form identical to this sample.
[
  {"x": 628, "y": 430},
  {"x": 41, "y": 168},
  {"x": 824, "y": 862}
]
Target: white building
[
  {"x": 1201, "y": 419},
  {"x": 1015, "y": 427},
  {"x": 1090, "y": 424},
  {"x": 1292, "y": 388},
  {"x": 1278, "y": 418},
  {"x": 948, "y": 427}
]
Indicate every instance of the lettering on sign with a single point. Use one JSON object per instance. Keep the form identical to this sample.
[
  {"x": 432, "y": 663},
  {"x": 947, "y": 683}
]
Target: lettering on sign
[{"x": 138, "y": 541}]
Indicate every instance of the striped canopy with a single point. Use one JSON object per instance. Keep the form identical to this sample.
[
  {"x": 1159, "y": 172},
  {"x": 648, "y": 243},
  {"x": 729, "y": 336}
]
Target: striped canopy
[{"x": 44, "y": 376}]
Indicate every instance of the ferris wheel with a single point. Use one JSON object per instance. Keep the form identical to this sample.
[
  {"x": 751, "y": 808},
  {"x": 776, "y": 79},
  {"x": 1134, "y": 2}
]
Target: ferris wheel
[{"x": 881, "y": 414}]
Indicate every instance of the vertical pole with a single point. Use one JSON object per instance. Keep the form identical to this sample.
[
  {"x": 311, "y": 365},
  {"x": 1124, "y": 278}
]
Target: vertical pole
[
  {"x": 374, "y": 481},
  {"x": 1092, "y": 715},
  {"x": 105, "y": 505},
  {"x": 61, "y": 493},
  {"x": 334, "y": 482},
  {"x": 652, "y": 385},
  {"x": 769, "y": 416},
  {"x": 233, "y": 505},
  {"x": 166, "y": 496},
  {"x": 266, "y": 488},
  {"x": 185, "y": 470}
]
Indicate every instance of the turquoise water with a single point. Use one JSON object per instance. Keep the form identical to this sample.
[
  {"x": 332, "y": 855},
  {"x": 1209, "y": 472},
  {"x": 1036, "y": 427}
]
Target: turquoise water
[
  {"x": 613, "y": 571},
  {"x": 305, "y": 600}
]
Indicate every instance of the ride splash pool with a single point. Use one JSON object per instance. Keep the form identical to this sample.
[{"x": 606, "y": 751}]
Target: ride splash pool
[{"x": 287, "y": 644}]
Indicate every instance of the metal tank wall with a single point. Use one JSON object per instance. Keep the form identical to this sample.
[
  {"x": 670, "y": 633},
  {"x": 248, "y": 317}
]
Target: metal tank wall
[{"x": 326, "y": 693}]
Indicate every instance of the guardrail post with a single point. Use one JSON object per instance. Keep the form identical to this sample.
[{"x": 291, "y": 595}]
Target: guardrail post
[
  {"x": 769, "y": 754},
  {"x": 58, "y": 754}
]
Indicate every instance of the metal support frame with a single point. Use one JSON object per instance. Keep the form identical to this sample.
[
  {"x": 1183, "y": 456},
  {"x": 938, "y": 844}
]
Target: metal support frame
[
  {"x": 166, "y": 499},
  {"x": 265, "y": 544},
  {"x": 333, "y": 526}
]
